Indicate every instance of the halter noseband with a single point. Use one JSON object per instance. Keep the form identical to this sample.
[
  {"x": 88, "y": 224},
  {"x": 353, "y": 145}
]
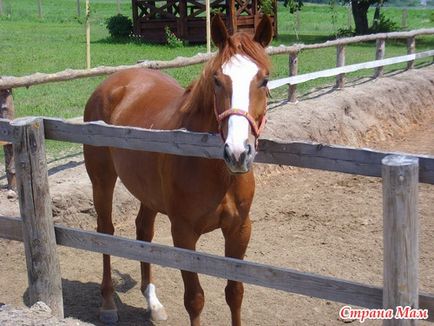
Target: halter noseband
[{"x": 256, "y": 129}]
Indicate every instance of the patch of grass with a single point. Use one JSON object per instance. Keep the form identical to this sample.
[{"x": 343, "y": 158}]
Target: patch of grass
[{"x": 57, "y": 42}]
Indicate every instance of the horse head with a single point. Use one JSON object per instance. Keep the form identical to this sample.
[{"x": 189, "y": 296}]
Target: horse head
[{"x": 240, "y": 75}]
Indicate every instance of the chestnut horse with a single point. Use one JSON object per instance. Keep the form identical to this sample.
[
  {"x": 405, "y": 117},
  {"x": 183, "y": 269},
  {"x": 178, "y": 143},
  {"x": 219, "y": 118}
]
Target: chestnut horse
[{"x": 198, "y": 195}]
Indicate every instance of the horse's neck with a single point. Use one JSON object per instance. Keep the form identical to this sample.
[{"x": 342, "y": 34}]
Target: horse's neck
[{"x": 199, "y": 107}]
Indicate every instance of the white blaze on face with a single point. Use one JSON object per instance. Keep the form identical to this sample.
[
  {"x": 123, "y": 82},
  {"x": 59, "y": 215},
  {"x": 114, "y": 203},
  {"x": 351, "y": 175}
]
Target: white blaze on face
[{"x": 241, "y": 70}]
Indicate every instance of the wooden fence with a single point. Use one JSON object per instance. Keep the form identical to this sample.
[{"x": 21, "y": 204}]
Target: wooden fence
[
  {"x": 36, "y": 229},
  {"x": 7, "y": 83}
]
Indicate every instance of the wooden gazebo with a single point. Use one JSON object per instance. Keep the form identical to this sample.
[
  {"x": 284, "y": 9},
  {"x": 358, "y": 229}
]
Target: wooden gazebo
[{"x": 186, "y": 18}]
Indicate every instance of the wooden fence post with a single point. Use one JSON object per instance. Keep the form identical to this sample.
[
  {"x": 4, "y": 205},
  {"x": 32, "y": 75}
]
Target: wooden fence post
[
  {"x": 40, "y": 9},
  {"x": 7, "y": 111},
  {"x": 78, "y": 8},
  {"x": 400, "y": 230},
  {"x": 340, "y": 62},
  {"x": 293, "y": 71},
  {"x": 43, "y": 268},
  {"x": 379, "y": 55},
  {"x": 411, "y": 48},
  {"x": 404, "y": 18},
  {"x": 87, "y": 34}
]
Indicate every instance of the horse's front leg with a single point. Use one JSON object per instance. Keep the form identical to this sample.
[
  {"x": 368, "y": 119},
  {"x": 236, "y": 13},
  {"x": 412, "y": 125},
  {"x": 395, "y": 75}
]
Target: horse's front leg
[
  {"x": 145, "y": 231},
  {"x": 236, "y": 241},
  {"x": 194, "y": 299}
]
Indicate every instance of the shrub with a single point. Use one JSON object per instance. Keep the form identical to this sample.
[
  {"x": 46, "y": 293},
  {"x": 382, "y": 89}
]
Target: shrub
[
  {"x": 346, "y": 32},
  {"x": 119, "y": 26},
  {"x": 172, "y": 40},
  {"x": 384, "y": 25},
  {"x": 267, "y": 7}
]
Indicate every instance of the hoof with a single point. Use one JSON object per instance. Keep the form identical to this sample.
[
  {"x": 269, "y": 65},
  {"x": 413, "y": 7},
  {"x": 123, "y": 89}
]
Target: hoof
[
  {"x": 108, "y": 316},
  {"x": 158, "y": 314}
]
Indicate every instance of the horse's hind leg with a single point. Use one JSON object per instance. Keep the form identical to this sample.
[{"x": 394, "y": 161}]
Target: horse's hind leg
[
  {"x": 103, "y": 176},
  {"x": 145, "y": 232}
]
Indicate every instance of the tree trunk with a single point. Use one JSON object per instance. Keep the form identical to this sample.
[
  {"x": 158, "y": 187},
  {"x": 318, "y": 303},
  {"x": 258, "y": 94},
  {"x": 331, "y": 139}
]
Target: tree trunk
[{"x": 360, "y": 14}]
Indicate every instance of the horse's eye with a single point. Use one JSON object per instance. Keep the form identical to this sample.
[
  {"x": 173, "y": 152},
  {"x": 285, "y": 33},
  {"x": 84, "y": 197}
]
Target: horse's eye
[
  {"x": 264, "y": 82},
  {"x": 217, "y": 81}
]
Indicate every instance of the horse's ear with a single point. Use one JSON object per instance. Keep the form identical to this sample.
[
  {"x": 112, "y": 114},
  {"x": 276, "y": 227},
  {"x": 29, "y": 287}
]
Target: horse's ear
[
  {"x": 264, "y": 31},
  {"x": 219, "y": 33}
]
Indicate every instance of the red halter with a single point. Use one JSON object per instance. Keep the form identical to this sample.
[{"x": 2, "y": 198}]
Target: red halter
[{"x": 256, "y": 129}]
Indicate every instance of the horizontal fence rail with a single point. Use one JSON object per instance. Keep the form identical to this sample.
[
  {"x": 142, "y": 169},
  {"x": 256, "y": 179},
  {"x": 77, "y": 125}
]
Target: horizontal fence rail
[
  {"x": 343, "y": 159},
  {"x": 294, "y": 80},
  {"x": 8, "y": 82},
  {"x": 309, "y": 284}
]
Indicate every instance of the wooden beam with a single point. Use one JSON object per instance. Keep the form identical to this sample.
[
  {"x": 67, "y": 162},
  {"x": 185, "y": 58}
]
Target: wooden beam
[
  {"x": 43, "y": 267},
  {"x": 346, "y": 69},
  {"x": 180, "y": 142},
  {"x": 7, "y": 82},
  {"x": 335, "y": 158},
  {"x": 288, "y": 280},
  {"x": 400, "y": 235}
]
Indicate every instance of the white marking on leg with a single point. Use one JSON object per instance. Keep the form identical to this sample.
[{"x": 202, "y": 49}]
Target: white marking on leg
[
  {"x": 154, "y": 305},
  {"x": 241, "y": 70}
]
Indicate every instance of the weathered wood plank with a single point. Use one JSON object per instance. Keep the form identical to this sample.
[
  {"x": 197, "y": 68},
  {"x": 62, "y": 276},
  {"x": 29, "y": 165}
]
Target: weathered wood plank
[
  {"x": 11, "y": 228},
  {"x": 347, "y": 69},
  {"x": 335, "y": 158},
  {"x": 6, "y": 131},
  {"x": 180, "y": 142},
  {"x": 288, "y": 280},
  {"x": 400, "y": 235},
  {"x": 43, "y": 267},
  {"x": 306, "y": 155}
]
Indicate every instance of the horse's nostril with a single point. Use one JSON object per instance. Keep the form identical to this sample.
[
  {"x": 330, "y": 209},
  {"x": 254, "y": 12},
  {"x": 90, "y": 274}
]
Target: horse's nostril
[
  {"x": 226, "y": 153},
  {"x": 249, "y": 149},
  {"x": 243, "y": 157}
]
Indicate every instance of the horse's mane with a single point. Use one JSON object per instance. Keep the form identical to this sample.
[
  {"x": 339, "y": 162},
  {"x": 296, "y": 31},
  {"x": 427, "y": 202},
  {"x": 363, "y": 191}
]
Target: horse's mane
[{"x": 199, "y": 94}]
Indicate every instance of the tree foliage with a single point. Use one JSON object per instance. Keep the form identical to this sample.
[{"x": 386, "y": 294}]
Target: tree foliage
[{"x": 293, "y": 5}]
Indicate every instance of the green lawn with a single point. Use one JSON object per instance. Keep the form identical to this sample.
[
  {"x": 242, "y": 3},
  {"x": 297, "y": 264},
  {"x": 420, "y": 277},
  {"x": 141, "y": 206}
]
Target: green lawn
[{"x": 56, "y": 42}]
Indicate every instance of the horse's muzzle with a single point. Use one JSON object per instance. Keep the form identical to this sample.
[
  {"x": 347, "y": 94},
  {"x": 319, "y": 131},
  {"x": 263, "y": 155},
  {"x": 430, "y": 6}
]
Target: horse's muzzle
[{"x": 240, "y": 163}]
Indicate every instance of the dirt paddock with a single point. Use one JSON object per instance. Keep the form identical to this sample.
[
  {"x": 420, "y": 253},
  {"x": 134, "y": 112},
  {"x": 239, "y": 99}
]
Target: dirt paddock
[{"x": 313, "y": 221}]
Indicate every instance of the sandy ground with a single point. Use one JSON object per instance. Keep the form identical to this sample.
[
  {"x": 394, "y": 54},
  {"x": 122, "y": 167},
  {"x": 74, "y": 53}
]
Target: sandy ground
[{"x": 307, "y": 220}]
